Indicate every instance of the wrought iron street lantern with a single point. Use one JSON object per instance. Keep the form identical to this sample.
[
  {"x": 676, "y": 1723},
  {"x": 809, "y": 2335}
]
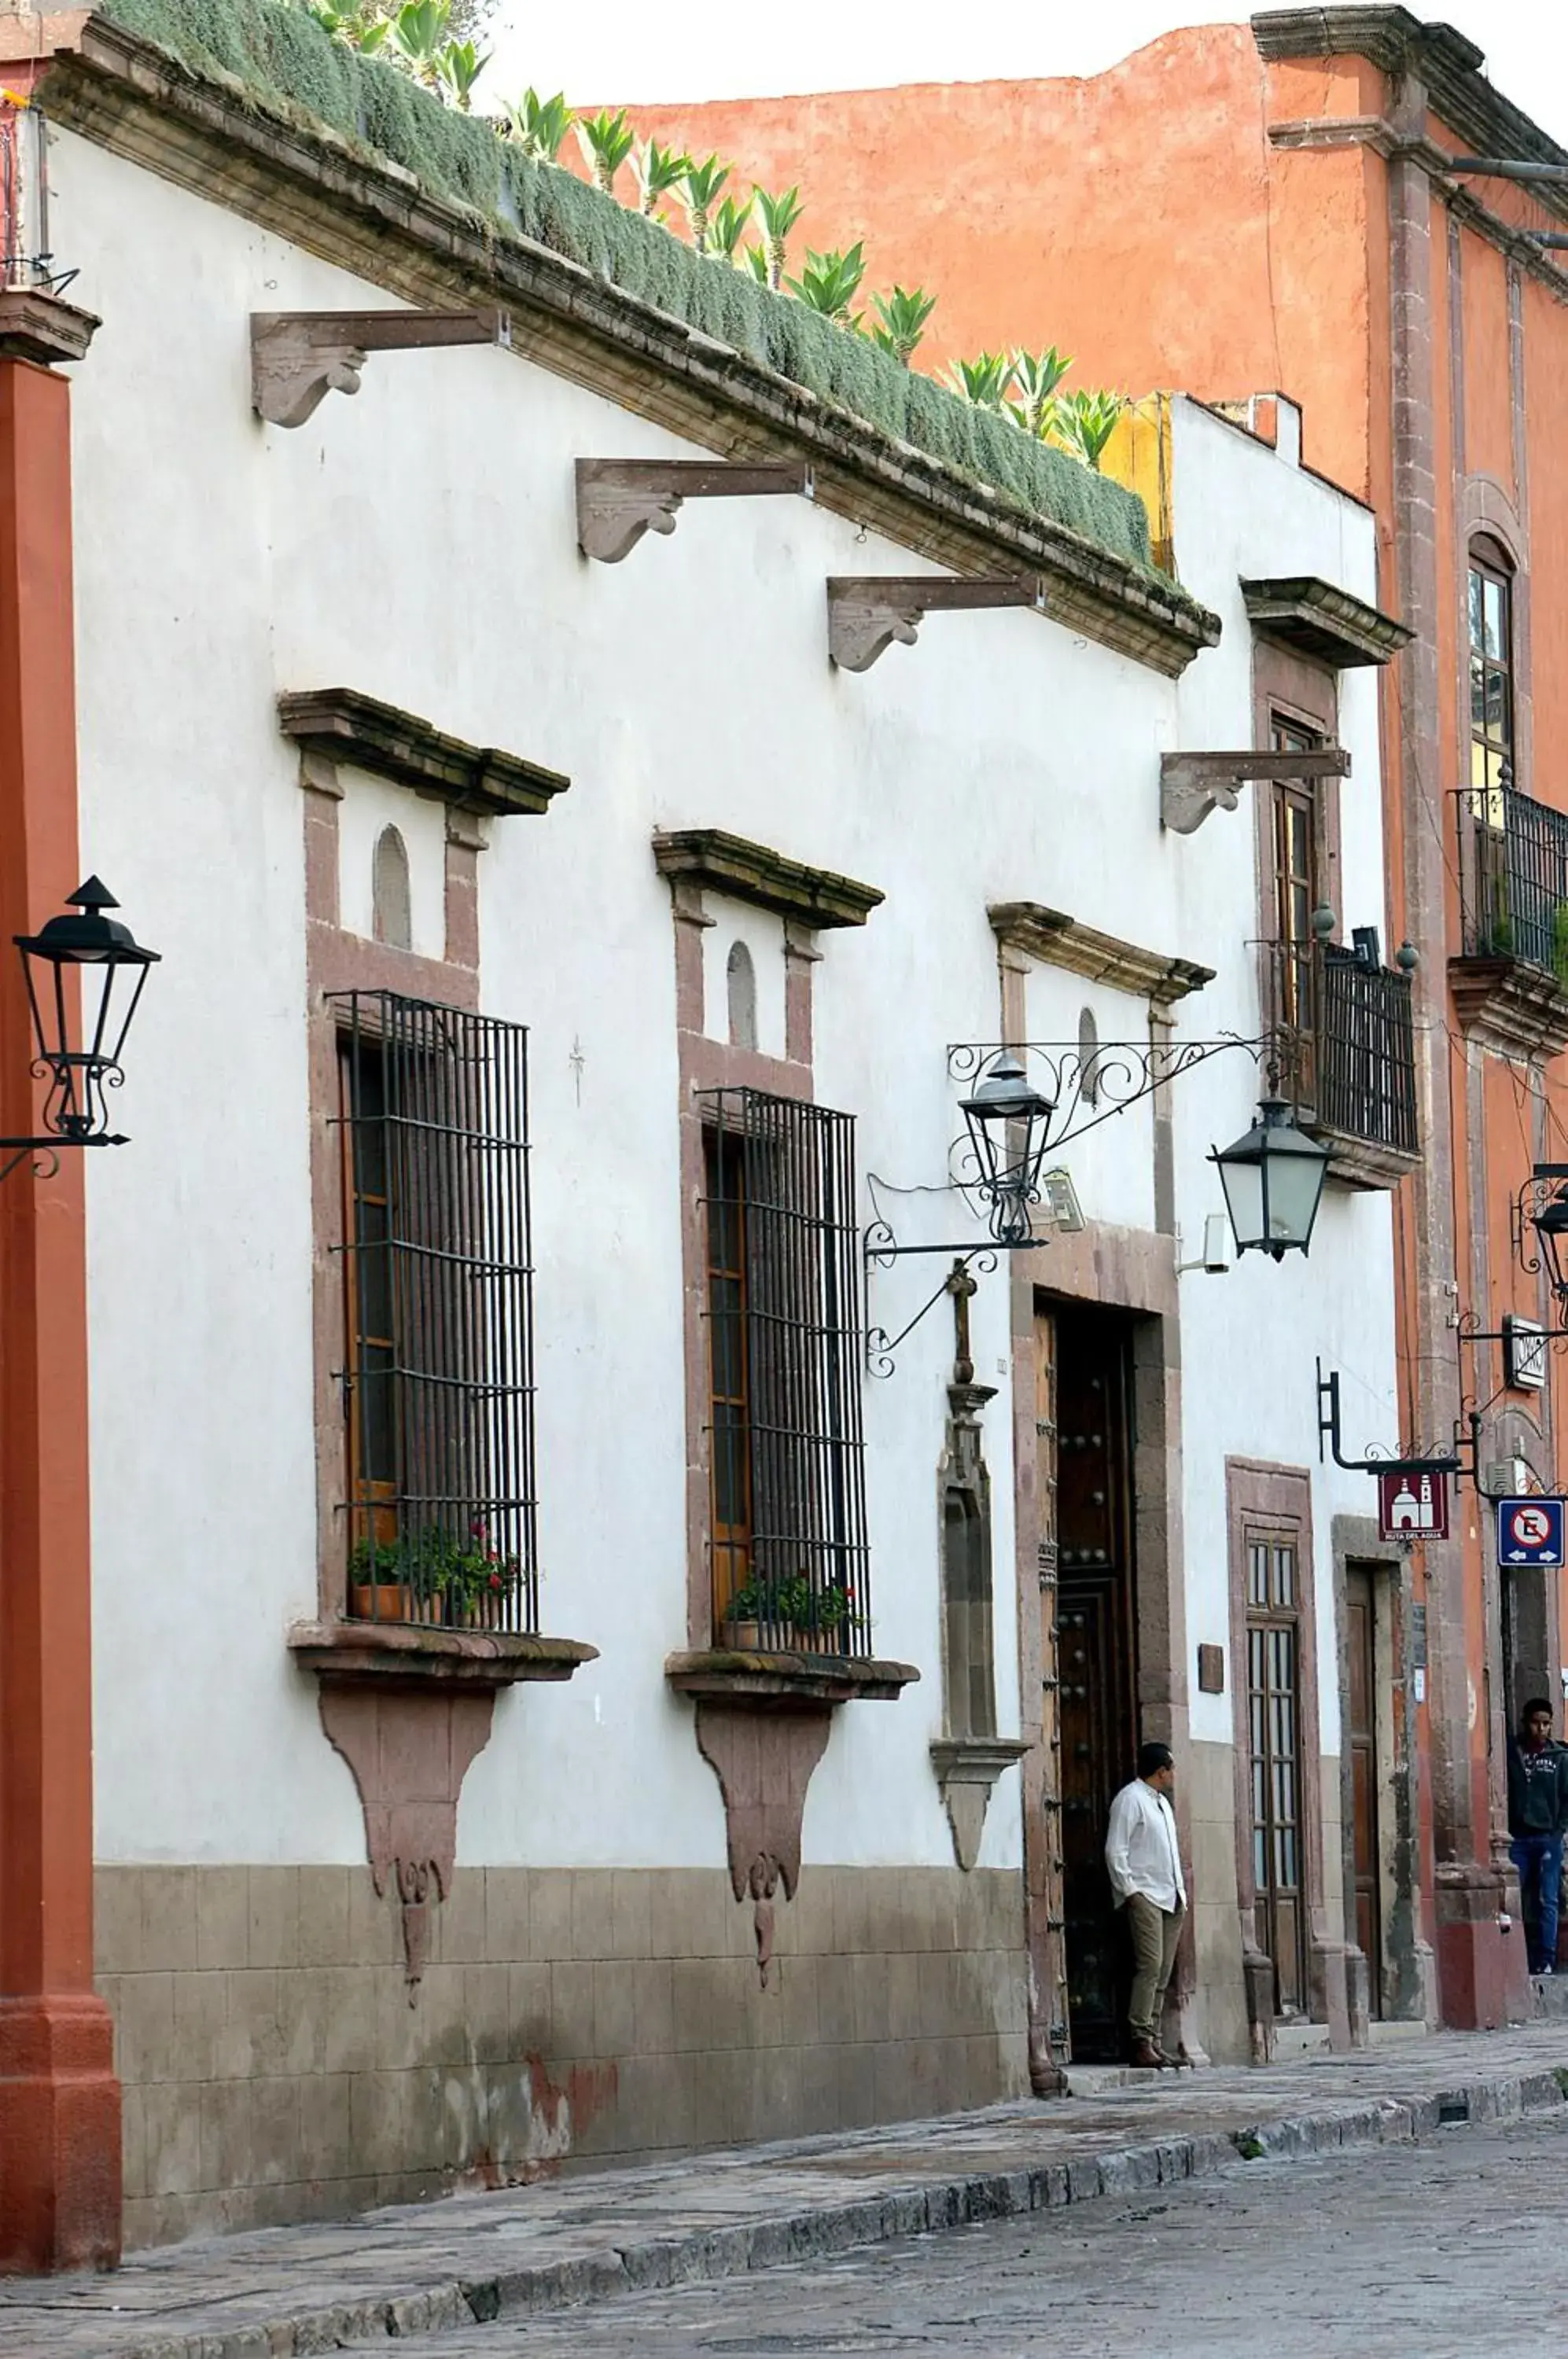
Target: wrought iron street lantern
[
  {"x": 1273, "y": 1182},
  {"x": 1550, "y": 1222},
  {"x": 81, "y": 1022},
  {"x": 1009, "y": 1123}
]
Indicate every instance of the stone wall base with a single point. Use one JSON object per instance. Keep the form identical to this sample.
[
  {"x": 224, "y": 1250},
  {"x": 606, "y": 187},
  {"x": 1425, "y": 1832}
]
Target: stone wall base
[{"x": 275, "y": 2068}]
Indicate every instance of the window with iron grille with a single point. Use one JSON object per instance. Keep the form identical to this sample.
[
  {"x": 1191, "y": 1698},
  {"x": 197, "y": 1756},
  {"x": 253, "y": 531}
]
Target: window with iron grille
[
  {"x": 438, "y": 1382},
  {"x": 787, "y": 1549}
]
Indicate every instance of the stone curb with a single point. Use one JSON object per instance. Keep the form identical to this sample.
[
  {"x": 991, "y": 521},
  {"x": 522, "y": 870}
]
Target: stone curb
[{"x": 926, "y": 2208}]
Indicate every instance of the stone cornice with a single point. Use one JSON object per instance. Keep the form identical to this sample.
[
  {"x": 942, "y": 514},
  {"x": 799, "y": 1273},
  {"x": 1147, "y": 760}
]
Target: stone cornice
[
  {"x": 717, "y": 863},
  {"x": 1324, "y": 623},
  {"x": 344, "y": 726},
  {"x": 1447, "y": 65},
  {"x": 367, "y": 216},
  {"x": 1057, "y": 940},
  {"x": 1508, "y": 1007}
]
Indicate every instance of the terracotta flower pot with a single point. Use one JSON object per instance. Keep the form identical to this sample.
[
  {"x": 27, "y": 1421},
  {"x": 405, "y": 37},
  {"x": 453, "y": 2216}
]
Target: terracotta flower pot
[
  {"x": 378, "y": 1601},
  {"x": 741, "y": 1637}
]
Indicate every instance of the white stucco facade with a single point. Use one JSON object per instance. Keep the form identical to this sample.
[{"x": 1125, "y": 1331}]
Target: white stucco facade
[{"x": 417, "y": 544}]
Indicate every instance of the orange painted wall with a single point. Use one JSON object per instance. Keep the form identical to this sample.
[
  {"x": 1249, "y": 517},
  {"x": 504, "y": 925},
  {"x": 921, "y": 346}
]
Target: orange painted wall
[
  {"x": 1488, "y": 427},
  {"x": 1137, "y": 220}
]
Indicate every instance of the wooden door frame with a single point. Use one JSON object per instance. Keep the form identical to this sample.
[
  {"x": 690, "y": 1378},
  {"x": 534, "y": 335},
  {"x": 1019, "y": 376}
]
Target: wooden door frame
[
  {"x": 1134, "y": 1271},
  {"x": 1356, "y": 1568},
  {"x": 1409, "y": 1984},
  {"x": 1259, "y": 1493}
]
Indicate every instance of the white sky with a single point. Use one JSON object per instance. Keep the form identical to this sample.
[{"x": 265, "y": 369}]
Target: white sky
[{"x": 733, "y": 48}]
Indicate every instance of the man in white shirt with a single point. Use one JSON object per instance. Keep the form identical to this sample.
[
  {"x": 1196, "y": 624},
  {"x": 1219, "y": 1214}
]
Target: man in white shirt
[{"x": 1146, "y": 1877}]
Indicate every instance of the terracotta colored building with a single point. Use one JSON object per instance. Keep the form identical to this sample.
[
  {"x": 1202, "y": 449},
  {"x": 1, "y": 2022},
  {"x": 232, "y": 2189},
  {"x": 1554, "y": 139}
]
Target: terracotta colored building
[{"x": 1238, "y": 208}]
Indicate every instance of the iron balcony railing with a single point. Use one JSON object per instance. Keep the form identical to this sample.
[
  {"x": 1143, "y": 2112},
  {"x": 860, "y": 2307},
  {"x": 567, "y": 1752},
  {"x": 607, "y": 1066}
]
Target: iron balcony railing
[
  {"x": 1513, "y": 878},
  {"x": 1348, "y": 1045}
]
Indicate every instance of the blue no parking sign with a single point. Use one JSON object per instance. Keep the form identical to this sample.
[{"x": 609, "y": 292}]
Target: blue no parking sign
[{"x": 1530, "y": 1531}]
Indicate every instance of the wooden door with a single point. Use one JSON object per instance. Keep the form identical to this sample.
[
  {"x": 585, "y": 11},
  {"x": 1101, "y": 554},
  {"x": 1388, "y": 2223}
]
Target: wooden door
[
  {"x": 1050, "y": 1996},
  {"x": 1098, "y": 1692},
  {"x": 1274, "y": 1723},
  {"x": 1361, "y": 1631}
]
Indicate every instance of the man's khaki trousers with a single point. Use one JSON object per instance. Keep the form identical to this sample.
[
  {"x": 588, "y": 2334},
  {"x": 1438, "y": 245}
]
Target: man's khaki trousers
[{"x": 1155, "y": 1934}]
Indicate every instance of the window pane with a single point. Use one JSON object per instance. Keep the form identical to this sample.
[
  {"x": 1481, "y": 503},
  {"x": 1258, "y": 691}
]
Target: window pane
[
  {"x": 1496, "y": 617},
  {"x": 1477, "y": 626},
  {"x": 1284, "y": 1576},
  {"x": 1257, "y": 1574}
]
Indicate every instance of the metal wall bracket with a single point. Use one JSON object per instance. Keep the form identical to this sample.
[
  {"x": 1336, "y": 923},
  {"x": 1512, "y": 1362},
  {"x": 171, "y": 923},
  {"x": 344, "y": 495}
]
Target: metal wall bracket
[
  {"x": 1192, "y": 785},
  {"x": 297, "y": 358},
  {"x": 867, "y": 612},
  {"x": 1328, "y": 1430},
  {"x": 620, "y": 499}
]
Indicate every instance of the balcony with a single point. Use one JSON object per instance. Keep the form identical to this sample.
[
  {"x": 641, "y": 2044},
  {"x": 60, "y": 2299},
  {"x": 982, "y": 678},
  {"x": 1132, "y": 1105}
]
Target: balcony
[
  {"x": 1510, "y": 979},
  {"x": 1345, "y": 1020}
]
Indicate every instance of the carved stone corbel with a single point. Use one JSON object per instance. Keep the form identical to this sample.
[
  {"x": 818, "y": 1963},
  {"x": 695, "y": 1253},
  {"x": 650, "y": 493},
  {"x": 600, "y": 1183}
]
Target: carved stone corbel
[
  {"x": 1192, "y": 785},
  {"x": 966, "y": 1769},
  {"x": 410, "y": 1754},
  {"x": 297, "y": 358},
  {"x": 619, "y": 500},
  {"x": 867, "y": 612},
  {"x": 763, "y": 1762}
]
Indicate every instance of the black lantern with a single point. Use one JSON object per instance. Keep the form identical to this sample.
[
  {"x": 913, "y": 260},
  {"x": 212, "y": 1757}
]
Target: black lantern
[
  {"x": 1273, "y": 1182},
  {"x": 80, "y": 1034},
  {"x": 1009, "y": 1123},
  {"x": 1550, "y": 1225}
]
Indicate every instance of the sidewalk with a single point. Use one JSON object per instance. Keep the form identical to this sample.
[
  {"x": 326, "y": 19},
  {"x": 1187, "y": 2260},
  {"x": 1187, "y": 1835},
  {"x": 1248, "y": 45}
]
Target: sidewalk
[{"x": 279, "y": 2292}]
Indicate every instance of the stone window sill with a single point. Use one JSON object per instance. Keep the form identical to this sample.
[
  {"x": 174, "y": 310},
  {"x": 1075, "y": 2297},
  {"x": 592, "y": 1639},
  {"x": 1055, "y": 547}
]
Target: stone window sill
[
  {"x": 783, "y": 1682},
  {"x": 408, "y": 1654}
]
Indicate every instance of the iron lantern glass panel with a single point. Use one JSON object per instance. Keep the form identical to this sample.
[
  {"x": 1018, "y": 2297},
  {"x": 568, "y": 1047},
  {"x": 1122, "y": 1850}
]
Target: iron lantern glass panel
[{"x": 1273, "y": 1182}]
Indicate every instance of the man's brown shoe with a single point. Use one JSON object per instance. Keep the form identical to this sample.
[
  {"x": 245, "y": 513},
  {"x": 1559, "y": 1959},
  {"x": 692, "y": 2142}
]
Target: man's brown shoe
[{"x": 1146, "y": 2056}]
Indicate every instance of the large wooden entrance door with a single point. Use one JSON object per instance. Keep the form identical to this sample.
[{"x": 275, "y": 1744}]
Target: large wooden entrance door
[
  {"x": 1095, "y": 1656},
  {"x": 1361, "y": 1634}
]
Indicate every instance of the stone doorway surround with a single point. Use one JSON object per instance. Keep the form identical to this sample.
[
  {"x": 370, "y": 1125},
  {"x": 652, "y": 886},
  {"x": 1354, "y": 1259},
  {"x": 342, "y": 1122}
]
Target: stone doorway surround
[{"x": 1410, "y": 1971}]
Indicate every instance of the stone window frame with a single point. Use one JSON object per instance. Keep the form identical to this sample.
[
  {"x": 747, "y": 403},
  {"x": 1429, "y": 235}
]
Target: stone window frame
[
  {"x": 1260, "y": 1493},
  {"x": 338, "y": 961}
]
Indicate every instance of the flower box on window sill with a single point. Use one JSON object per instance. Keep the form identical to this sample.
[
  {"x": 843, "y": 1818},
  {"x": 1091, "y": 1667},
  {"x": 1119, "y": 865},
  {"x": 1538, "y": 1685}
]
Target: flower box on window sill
[
  {"x": 779, "y": 1680},
  {"x": 434, "y": 1653}
]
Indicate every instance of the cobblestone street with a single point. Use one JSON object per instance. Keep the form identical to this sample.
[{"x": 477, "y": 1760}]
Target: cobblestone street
[{"x": 1436, "y": 2251}]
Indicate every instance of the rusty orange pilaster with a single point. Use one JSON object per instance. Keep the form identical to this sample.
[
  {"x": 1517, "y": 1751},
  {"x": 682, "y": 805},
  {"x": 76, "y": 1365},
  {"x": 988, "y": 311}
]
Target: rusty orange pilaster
[{"x": 59, "y": 2100}]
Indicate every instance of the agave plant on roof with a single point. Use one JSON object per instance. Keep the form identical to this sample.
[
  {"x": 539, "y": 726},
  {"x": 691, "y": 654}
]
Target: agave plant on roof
[
  {"x": 660, "y": 171},
  {"x": 1085, "y": 422},
  {"x": 701, "y": 185},
  {"x": 778, "y": 216},
  {"x": 607, "y": 140},
  {"x": 900, "y": 321},
  {"x": 985, "y": 382},
  {"x": 830, "y": 282},
  {"x": 1035, "y": 376},
  {"x": 538, "y": 126},
  {"x": 726, "y": 230}
]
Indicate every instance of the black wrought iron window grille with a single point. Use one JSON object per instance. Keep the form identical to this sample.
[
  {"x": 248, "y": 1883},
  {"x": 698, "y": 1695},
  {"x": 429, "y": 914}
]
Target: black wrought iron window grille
[
  {"x": 437, "y": 1385},
  {"x": 788, "y": 1549}
]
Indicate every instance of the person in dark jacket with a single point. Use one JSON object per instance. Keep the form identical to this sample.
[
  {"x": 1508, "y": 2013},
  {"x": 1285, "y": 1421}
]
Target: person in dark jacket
[{"x": 1538, "y": 1819}]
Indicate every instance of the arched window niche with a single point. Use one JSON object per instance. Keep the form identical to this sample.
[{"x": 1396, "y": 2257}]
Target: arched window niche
[{"x": 392, "y": 916}]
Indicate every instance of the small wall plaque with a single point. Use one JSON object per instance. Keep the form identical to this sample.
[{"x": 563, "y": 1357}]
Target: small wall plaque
[{"x": 1211, "y": 1670}]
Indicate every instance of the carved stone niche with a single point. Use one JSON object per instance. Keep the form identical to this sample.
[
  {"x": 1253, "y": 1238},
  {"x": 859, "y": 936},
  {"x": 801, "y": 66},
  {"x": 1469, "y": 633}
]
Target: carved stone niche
[{"x": 969, "y": 1757}]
